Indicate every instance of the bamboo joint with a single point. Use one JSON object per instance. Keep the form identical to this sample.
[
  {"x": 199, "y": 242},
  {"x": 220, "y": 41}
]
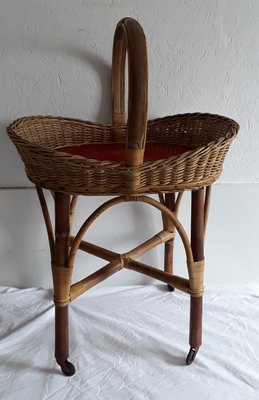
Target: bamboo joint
[{"x": 196, "y": 278}]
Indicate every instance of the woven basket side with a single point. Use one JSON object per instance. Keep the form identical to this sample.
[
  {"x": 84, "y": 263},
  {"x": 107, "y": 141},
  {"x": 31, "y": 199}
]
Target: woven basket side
[
  {"x": 37, "y": 138},
  {"x": 191, "y": 130},
  {"x": 51, "y": 132}
]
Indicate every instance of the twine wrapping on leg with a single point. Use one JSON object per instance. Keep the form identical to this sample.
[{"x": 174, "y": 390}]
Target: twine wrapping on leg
[
  {"x": 61, "y": 282},
  {"x": 164, "y": 236},
  {"x": 196, "y": 277}
]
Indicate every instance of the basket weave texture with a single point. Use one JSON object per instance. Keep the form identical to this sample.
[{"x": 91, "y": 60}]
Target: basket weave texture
[
  {"x": 37, "y": 138},
  {"x": 208, "y": 136}
]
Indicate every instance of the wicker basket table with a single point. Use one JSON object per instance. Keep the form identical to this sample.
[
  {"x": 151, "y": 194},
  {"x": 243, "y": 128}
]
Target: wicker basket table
[{"x": 128, "y": 159}]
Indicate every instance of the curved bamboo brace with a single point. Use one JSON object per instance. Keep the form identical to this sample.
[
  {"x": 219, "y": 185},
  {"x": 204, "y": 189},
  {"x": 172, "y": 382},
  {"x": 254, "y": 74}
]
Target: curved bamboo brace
[
  {"x": 72, "y": 210},
  {"x": 173, "y": 205},
  {"x": 176, "y": 223},
  {"x": 161, "y": 198},
  {"x": 76, "y": 243},
  {"x": 129, "y": 36},
  {"x": 178, "y": 202},
  {"x": 47, "y": 220},
  {"x": 100, "y": 210}
]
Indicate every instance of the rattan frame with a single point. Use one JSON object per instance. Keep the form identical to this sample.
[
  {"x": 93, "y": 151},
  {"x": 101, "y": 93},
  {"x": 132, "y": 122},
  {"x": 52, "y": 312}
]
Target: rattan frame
[{"x": 208, "y": 136}]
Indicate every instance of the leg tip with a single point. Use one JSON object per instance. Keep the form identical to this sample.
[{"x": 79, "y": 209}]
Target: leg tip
[
  {"x": 171, "y": 288},
  {"x": 67, "y": 368},
  {"x": 191, "y": 356}
]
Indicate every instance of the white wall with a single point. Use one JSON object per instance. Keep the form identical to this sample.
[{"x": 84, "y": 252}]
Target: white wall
[{"x": 55, "y": 59}]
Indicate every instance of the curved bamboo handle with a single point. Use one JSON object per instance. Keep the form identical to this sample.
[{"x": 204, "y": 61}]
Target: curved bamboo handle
[{"x": 129, "y": 36}]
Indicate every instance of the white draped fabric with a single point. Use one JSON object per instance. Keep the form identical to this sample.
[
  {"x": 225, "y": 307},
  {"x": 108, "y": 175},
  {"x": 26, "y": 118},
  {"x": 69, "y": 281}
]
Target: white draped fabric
[{"x": 130, "y": 343}]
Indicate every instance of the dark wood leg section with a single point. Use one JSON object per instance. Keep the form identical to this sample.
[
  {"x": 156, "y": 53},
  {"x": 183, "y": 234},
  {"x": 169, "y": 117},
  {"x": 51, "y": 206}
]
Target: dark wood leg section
[
  {"x": 169, "y": 246},
  {"x": 62, "y": 223},
  {"x": 197, "y": 243},
  {"x": 62, "y": 340},
  {"x": 195, "y": 338},
  {"x": 168, "y": 266}
]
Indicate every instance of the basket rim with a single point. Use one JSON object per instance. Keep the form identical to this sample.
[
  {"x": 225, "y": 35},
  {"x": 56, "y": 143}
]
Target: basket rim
[
  {"x": 233, "y": 129},
  {"x": 231, "y": 121}
]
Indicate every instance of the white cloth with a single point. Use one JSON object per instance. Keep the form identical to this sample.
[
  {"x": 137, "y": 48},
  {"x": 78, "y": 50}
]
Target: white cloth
[{"x": 131, "y": 343}]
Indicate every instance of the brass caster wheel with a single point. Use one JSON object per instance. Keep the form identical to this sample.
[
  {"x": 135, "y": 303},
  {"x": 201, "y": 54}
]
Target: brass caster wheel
[{"x": 191, "y": 356}]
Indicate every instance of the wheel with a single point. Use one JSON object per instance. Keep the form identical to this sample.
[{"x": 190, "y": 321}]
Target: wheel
[
  {"x": 171, "y": 288},
  {"x": 68, "y": 368},
  {"x": 191, "y": 356}
]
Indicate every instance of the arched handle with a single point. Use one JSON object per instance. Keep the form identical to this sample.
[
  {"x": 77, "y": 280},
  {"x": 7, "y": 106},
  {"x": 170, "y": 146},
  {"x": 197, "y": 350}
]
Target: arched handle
[{"x": 129, "y": 36}]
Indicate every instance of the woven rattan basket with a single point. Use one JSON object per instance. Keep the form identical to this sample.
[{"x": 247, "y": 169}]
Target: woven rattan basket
[{"x": 40, "y": 140}]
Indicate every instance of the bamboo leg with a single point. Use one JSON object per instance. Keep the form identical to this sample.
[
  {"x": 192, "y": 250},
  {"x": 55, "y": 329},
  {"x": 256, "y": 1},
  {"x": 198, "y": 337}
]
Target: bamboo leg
[
  {"x": 197, "y": 241},
  {"x": 169, "y": 246},
  {"x": 62, "y": 208}
]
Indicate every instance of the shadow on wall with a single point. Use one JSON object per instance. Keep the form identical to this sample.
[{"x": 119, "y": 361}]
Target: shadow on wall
[
  {"x": 98, "y": 67},
  {"x": 9, "y": 160},
  {"x": 103, "y": 70},
  {"x": 11, "y": 166},
  {"x": 24, "y": 255}
]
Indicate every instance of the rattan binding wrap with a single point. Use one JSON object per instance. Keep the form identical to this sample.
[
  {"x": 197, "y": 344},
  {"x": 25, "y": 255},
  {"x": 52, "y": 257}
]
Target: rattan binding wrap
[{"x": 209, "y": 137}]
